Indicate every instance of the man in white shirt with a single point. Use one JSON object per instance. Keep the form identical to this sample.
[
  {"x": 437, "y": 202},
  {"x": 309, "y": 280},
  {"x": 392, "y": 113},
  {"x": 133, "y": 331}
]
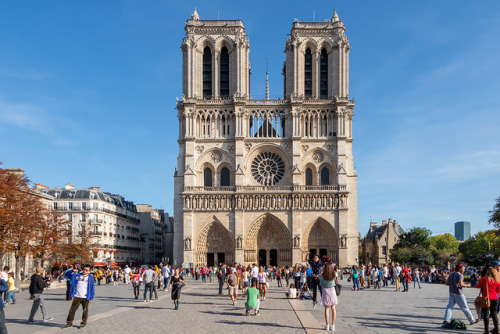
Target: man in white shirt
[
  {"x": 254, "y": 272},
  {"x": 82, "y": 292},
  {"x": 127, "y": 274},
  {"x": 397, "y": 272},
  {"x": 385, "y": 272},
  {"x": 165, "y": 271}
]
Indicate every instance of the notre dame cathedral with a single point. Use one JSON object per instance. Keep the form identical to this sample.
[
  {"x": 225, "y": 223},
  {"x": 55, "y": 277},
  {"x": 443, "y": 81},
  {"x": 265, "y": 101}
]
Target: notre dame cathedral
[{"x": 265, "y": 180}]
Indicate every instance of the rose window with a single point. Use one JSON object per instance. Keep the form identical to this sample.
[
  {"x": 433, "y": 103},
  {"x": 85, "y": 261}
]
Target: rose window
[{"x": 268, "y": 168}]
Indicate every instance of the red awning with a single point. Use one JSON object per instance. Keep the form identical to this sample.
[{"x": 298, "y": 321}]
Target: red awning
[{"x": 99, "y": 264}]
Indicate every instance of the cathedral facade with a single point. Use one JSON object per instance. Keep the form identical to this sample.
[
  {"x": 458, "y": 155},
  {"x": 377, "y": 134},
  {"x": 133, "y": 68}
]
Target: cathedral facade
[{"x": 265, "y": 181}]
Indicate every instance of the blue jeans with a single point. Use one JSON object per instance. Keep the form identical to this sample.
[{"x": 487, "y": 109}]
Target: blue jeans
[
  {"x": 462, "y": 303},
  {"x": 11, "y": 295},
  {"x": 355, "y": 283},
  {"x": 415, "y": 281},
  {"x": 148, "y": 287},
  {"x": 165, "y": 282}
]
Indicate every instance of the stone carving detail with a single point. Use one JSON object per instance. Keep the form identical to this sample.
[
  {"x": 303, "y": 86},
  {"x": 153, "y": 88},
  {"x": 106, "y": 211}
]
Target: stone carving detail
[
  {"x": 286, "y": 146},
  {"x": 304, "y": 148},
  {"x": 230, "y": 149},
  {"x": 318, "y": 156},
  {"x": 248, "y": 146},
  {"x": 331, "y": 148},
  {"x": 216, "y": 156},
  {"x": 239, "y": 242},
  {"x": 199, "y": 149},
  {"x": 187, "y": 243},
  {"x": 259, "y": 202},
  {"x": 268, "y": 168},
  {"x": 343, "y": 241},
  {"x": 296, "y": 241}
]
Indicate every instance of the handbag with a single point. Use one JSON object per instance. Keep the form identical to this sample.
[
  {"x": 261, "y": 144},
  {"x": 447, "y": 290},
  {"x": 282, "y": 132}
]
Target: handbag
[
  {"x": 338, "y": 288},
  {"x": 483, "y": 302}
]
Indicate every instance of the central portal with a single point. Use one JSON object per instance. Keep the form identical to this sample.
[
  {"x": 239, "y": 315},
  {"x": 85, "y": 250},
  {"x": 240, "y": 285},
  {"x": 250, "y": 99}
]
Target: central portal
[{"x": 268, "y": 242}]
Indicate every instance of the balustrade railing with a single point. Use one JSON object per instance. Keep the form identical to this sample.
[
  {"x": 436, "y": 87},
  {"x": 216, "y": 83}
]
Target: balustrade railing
[{"x": 291, "y": 188}]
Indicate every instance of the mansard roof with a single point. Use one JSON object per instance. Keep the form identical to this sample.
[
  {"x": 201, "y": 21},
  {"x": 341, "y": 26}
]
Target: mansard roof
[{"x": 90, "y": 194}]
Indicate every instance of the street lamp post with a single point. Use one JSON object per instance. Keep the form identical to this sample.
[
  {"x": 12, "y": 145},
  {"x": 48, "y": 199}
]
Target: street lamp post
[{"x": 453, "y": 257}]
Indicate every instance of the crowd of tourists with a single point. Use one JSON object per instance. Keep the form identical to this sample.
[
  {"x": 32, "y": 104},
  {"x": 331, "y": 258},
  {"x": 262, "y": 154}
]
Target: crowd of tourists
[{"x": 252, "y": 282}]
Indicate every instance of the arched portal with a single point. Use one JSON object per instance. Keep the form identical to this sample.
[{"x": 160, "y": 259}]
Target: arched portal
[
  {"x": 214, "y": 244},
  {"x": 320, "y": 238},
  {"x": 270, "y": 237}
]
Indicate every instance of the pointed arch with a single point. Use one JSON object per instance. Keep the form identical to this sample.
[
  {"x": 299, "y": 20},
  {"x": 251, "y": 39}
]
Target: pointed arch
[
  {"x": 320, "y": 235},
  {"x": 266, "y": 233},
  {"x": 213, "y": 238}
]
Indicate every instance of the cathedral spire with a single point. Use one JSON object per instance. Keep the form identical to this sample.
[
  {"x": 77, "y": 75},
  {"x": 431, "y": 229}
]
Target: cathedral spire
[
  {"x": 335, "y": 17},
  {"x": 195, "y": 16},
  {"x": 267, "y": 80}
]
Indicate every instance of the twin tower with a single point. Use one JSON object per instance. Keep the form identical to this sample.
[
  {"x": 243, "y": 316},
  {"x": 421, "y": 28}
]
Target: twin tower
[{"x": 260, "y": 180}]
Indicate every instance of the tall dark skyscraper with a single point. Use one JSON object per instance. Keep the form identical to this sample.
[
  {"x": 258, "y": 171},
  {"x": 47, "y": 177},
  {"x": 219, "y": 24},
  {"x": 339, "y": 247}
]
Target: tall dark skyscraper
[{"x": 462, "y": 231}]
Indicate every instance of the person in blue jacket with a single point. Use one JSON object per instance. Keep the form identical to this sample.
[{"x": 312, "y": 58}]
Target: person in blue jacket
[
  {"x": 3, "y": 288},
  {"x": 82, "y": 292}
]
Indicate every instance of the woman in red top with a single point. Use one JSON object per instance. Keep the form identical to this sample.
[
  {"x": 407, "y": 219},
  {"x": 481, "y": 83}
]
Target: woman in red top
[{"x": 491, "y": 282}]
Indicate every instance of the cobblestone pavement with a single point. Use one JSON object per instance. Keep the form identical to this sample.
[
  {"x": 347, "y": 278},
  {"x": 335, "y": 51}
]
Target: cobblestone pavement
[
  {"x": 387, "y": 311},
  {"x": 202, "y": 310}
]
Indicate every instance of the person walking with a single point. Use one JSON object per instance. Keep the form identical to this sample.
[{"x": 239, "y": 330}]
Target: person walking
[
  {"x": 316, "y": 266},
  {"x": 136, "y": 283},
  {"x": 328, "y": 280},
  {"x": 232, "y": 284},
  {"x": 490, "y": 287},
  {"x": 176, "y": 282},
  {"x": 406, "y": 277},
  {"x": 166, "y": 276},
  {"x": 416, "y": 278},
  {"x": 262, "y": 277},
  {"x": 278, "y": 277},
  {"x": 82, "y": 292},
  {"x": 456, "y": 296},
  {"x": 222, "y": 277},
  {"x": 385, "y": 273},
  {"x": 397, "y": 279},
  {"x": 148, "y": 277},
  {"x": 244, "y": 280},
  {"x": 37, "y": 285},
  {"x": 11, "y": 292},
  {"x": 355, "y": 278},
  {"x": 296, "y": 275},
  {"x": 127, "y": 274}
]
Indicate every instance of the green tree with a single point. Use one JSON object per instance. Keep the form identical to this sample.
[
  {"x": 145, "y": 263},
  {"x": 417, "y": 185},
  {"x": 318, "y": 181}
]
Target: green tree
[
  {"x": 416, "y": 237},
  {"x": 495, "y": 215},
  {"x": 474, "y": 250}
]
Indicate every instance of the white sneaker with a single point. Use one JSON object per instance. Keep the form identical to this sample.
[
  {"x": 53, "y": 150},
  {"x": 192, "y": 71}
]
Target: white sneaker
[
  {"x": 264, "y": 298},
  {"x": 327, "y": 328},
  {"x": 332, "y": 327}
]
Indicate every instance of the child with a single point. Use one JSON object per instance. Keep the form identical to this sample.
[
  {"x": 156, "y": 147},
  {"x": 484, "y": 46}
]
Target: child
[
  {"x": 252, "y": 298},
  {"x": 11, "y": 292},
  {"x": 292, "y": 292},
  {"x": 304, "y": 293}
]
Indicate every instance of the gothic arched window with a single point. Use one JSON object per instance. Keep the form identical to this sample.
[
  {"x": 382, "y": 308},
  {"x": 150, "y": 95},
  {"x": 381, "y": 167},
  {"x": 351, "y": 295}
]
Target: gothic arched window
[
  {"x": 309, "y": 177},
  {"x": 207, "y": 177},
  {"x": 323, "y": 74},
  {"x": 224, "y": 72},
  {"x": 207, "y": 72},
  {"x": 308, "y": 73},
  {"x": 325, "y": 176},
  {"x": 225, "y": 180}
]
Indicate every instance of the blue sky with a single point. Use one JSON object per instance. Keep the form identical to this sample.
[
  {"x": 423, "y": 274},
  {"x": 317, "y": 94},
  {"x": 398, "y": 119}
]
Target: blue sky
[{"x": 88, "y": 88}]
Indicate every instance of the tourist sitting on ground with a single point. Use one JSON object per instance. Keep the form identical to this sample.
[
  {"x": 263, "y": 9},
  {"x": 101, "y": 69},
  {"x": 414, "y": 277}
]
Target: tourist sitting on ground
[
  {"x": 292, "y": 292},
  {"x": 304, "y": 293},
  {"x": 253, "y": 302}
]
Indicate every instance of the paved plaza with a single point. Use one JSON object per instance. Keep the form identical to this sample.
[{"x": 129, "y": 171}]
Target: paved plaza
[{"x": 202, "y": 310}]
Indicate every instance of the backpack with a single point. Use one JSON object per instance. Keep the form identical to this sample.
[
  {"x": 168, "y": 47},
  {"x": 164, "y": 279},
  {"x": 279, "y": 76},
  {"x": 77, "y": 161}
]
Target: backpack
[{"x": 455, "y": 324}]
